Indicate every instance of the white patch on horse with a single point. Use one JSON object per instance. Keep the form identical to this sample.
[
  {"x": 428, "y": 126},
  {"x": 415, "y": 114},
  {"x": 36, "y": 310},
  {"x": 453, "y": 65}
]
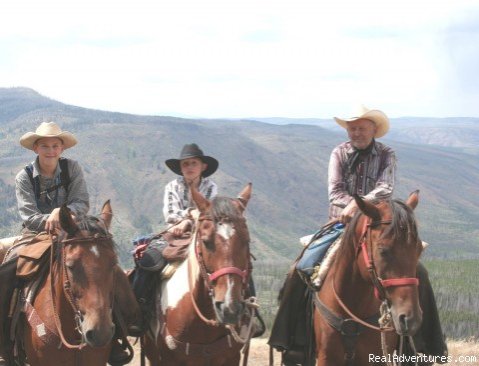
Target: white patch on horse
[
  {"x": 95, "y": 251},
  {"x": 177, "y": 287},
  {"x": 225, "y": 230},
  {"x": 229, "y": 291}
]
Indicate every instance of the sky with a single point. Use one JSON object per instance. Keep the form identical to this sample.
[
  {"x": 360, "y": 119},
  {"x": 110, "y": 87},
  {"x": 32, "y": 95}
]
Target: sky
[{"x": 246, "y": 58}]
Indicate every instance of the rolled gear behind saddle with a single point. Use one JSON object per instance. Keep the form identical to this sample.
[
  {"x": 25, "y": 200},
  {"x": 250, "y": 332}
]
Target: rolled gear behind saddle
[{"x": 152, "y": 259}]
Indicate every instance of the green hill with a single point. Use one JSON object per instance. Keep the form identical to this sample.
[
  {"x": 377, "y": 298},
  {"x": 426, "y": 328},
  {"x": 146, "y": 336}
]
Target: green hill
[{"x": 123, "y": 158}]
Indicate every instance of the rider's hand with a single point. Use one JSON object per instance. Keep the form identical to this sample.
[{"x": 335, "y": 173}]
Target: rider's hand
[
  {"x": 348, "y": 212},
  {"x": 140, "y": 249},
  {"x": 52, "y": 224},
  {"x": 179, "y": 229}
]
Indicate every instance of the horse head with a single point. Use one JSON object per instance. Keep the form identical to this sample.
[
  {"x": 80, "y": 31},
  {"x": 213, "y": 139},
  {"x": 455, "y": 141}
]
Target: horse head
[
  {"x": 222, "y": 247},
  {"x": 390, "y": 246},
  {"x": 87, "y": 259}
]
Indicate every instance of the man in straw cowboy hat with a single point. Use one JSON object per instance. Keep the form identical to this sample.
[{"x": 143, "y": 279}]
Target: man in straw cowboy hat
[
  {"x": 361, "y": 165},
  {"x": 42, "y": 187},
  {"x": 365, "y": 167}
]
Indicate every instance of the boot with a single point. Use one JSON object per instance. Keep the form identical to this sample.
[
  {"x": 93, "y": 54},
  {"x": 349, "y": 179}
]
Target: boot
[{"x": 118, "y": 354}]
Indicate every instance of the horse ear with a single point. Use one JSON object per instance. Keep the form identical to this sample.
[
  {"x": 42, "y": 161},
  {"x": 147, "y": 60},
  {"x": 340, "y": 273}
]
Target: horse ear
[
  {"x": 66, "y": 221},
  {"x": 106, "y": 214},
  {"x": 245, "y": 194},
  {"x": 367, "y": 208},
  {"x": 202, "y": 203},
  {"x": 413, "y": 199}
]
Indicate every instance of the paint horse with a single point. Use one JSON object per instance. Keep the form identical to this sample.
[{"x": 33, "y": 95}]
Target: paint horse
[
  {"x": 202, "y": 308},
  {"x": 375, "y": 267},
  {"x": 70, "y": 319}
]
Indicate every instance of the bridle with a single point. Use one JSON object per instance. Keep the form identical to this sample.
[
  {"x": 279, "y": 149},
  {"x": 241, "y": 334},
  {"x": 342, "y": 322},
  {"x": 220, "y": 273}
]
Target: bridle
[
  {"x": 56, "y": 242},
  {"x": 209, "y": 277},
  {"x": 365, "y": 245}
]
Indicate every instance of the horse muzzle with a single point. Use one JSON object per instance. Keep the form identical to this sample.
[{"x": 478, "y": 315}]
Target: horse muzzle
[
  {"x": 406, "y": 323},
  {"x": 97, "y": 334},
  {"x": 229, "y": 313}
]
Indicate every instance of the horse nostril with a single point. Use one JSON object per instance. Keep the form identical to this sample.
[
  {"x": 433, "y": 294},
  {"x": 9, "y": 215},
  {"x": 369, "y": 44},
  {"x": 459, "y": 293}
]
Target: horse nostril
[
  {"x": 403, "y": 323},
  {"x": 219, "y": 305},
  {"x": 89, "y": 336}
]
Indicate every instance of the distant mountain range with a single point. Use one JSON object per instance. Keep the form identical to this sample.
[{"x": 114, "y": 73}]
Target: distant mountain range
[{"x": 286, "y": 159}]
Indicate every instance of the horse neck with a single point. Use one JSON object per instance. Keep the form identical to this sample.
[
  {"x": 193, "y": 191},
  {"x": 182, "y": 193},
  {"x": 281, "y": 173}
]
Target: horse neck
[
  {"x": 61, "y": 304},
  {"x": 354, "y": 290}
]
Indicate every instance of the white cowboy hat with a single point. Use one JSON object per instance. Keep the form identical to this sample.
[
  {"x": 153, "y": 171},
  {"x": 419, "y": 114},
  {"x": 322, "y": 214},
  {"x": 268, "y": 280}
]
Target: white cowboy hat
[
  {"x": 377, "y": 117},
  {"x": 48, "y": 129}
]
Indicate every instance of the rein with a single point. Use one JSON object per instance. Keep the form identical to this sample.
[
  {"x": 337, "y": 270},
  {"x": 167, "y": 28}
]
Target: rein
[
  {"x": 209, "y": 278},
  {"x": 378, "y": 282},
  {"x": 67, "y": 286},
  {"x": 379, "y": 285}
]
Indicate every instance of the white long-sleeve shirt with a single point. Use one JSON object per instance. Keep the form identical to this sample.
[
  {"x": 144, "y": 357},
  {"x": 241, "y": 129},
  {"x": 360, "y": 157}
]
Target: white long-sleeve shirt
[{"x": 177, "y": 200}]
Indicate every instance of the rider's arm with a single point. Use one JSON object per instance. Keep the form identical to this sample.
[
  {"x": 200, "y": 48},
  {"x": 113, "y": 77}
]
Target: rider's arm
[
  {"x": 78, "y": 199},
  {"x": 172, "y": 207},
  {"x": 386, "y": 176},
  {"x": 32, "y": 217},
  {"x": 337, "y": 186}
]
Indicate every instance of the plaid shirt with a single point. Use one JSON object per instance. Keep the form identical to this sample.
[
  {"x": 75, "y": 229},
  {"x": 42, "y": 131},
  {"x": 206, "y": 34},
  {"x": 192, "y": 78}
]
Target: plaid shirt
[
  {"x": 35, "y": 214},
  {"x": 373, "y": 178},
  {"x": 177, "y": 201}
]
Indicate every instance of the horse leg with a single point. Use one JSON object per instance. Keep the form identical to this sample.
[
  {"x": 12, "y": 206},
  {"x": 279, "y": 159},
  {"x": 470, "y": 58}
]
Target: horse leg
[{"x": 233, "y": 361}]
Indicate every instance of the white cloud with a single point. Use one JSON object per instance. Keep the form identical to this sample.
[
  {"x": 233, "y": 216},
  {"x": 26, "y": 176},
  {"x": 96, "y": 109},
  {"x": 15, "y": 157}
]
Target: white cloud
[{"x": 237, "y": 58}]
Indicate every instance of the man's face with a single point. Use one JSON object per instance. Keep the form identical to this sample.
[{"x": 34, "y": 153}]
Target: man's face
[{"x": 361, "y": 132}]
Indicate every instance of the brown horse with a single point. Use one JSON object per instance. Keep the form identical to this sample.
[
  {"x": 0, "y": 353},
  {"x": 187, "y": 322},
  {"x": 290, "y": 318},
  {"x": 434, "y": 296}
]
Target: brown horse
[
  {"x": 201, "y": 310},
  {"x": 375, "y": 265},
  {"x": 70, "y": 319}
]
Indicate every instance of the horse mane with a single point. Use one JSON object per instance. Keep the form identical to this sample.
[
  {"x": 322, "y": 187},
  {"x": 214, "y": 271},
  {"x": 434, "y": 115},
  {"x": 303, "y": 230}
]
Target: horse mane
[
  {"x": 403, "y": 227},
  {"x": 91, "y": 224},
  {"x": 223, "y": 208}
]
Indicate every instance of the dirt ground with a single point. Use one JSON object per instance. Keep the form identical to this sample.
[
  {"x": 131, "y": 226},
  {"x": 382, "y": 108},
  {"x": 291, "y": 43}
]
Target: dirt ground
[{"x": 463, "y": 353}]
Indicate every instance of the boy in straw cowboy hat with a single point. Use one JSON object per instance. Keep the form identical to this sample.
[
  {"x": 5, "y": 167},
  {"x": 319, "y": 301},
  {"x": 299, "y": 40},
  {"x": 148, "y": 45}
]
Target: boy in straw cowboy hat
[
  {"x": 42, "y": 187},
  {"x": 365, "y": 167},
  {"x": 39, "y": 200}
]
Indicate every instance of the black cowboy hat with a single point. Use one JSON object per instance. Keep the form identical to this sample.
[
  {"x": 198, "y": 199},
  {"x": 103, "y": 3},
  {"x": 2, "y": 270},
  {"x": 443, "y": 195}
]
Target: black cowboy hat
[{"x": 193, "y": 151}]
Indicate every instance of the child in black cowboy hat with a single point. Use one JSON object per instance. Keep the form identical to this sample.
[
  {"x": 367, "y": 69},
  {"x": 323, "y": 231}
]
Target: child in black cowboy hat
[{"x": 193, "y": 168}]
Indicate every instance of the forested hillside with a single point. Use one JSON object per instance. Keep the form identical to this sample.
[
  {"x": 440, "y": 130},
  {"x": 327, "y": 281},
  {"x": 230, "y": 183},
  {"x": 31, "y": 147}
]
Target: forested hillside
[{"x": 123, "y": 158}]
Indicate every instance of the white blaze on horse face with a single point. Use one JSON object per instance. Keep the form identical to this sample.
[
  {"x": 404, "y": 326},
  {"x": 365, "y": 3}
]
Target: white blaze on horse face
[
  {"x": 225, "y": 230},
  {"x": 229, "y": 290},
  {"x": 94, "y": 250}
]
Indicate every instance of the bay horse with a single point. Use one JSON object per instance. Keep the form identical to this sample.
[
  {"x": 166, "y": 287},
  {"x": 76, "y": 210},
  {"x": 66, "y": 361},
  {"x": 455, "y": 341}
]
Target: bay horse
[
  {"x": 70, "y": 319},
  {"x": 375, "y": 266},
  {"x": 200, "y": 310}
]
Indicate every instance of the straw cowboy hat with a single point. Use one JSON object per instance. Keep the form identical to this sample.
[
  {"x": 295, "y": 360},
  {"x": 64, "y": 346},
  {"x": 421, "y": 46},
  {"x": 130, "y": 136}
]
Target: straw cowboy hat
[
  {"x": 48, "y": 129},
  {"x": 193, "y": 151},
  {"x": 377, "y": 117}
]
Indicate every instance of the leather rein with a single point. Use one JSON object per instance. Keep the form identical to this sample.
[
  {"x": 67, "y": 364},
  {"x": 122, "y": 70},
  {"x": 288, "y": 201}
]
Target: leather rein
[
  {"x": 365, "y": 245},
  {"x": 67, "y": 286},
  {"x": 208, "y": 277}
]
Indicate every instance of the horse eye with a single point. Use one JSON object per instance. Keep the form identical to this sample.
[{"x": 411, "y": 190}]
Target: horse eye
[{"x": 385, "y": 252}]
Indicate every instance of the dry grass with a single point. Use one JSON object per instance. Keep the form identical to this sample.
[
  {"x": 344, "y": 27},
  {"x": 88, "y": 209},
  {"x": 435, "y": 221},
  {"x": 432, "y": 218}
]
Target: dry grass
[{"x": 259, "y": 353}]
